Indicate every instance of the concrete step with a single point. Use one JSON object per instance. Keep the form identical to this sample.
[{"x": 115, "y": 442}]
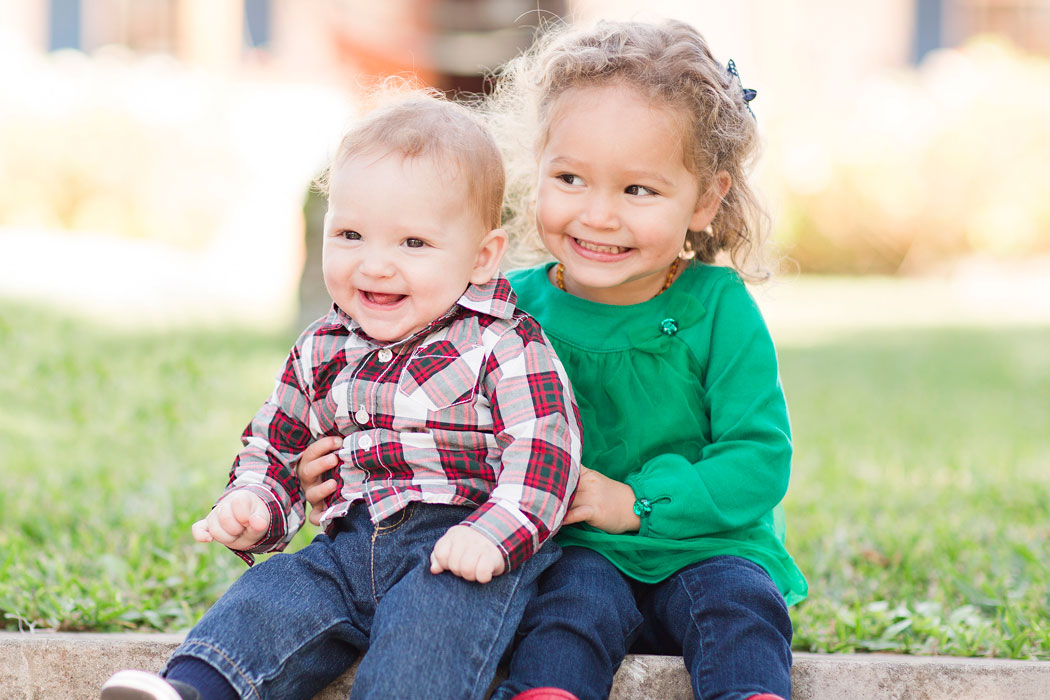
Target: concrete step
[{"x": 70, "y": 666}]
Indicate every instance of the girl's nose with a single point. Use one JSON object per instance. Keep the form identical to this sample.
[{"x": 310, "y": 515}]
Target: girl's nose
[{"x": 599, "y": 212}]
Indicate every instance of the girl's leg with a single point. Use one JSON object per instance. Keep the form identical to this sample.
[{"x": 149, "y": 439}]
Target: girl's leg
[
  {"x": 576, "y": 631},
  {"x": 439, "y": 636},
  {"x": 728, "y": 620},
  {"x": 287, "y": 627}
]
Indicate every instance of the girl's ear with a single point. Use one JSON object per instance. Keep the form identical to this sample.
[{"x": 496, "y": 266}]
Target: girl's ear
[
  {"x": 490, "y": 253},
  {"x": 707, "y": 205}
]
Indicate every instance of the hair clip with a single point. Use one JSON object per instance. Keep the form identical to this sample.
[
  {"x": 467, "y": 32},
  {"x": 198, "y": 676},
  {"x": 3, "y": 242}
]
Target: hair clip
[{"x": 748, "y": 93}]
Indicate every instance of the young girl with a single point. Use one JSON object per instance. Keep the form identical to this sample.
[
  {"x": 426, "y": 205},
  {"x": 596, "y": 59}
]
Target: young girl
[{"x": 643, "y": 143}]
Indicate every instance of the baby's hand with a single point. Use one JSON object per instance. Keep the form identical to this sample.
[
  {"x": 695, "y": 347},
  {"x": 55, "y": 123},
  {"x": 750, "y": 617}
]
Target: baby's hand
[
  {"x": 238, "y": 521},
  {"x": 468, "y": 554},
  {"x": 318, "y": 458}
]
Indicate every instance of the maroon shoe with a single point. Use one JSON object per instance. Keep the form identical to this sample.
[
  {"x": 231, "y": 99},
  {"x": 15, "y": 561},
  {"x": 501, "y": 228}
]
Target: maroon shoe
[
  {"x": 545, "y": 694},
  {"x": 765, "y": 696}
]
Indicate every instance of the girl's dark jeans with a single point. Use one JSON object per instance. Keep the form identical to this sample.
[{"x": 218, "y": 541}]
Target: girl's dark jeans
[{"x": 724, "y": 616}]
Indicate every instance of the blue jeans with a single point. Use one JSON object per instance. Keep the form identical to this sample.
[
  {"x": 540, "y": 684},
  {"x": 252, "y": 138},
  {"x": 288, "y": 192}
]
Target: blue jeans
[
  {"x": 291, "y": 624},
  {"x": 724, "y": 616}
]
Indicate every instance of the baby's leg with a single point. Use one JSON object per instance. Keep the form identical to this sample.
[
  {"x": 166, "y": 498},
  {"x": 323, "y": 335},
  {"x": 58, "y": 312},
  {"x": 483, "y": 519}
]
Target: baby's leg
[
  {"x": 287, "y": 627},
  {"x": 439, "y": 636},
  {"x": 576, "y": 631},
  {"x": 727, "y": 618}
]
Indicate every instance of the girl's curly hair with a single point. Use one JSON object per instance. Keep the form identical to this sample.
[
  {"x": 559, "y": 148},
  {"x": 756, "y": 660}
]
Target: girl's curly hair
[{"x": 670, "y": 63}]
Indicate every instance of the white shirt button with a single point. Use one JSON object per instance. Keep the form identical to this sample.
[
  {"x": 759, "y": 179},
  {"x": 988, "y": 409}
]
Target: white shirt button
[
  {"x": 365, "y": 443},
  {"x": 385, "y": 355},
  {"x": 362, "y": 415}
]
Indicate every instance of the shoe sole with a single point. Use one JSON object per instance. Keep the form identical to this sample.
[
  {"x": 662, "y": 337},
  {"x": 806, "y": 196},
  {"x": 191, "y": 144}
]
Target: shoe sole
[{"x": 138, "y": 685}]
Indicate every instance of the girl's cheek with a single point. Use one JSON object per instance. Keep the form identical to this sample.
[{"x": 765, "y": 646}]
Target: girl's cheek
[{"x": 549, "y": 210}]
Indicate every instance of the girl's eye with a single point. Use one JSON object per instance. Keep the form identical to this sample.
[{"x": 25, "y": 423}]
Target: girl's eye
[
  {"x": 414, "y": 243},
  {"x": 570, "y": 179},
  {"x": 639, "y": 190},
  {"x": 351, "y": 235}
]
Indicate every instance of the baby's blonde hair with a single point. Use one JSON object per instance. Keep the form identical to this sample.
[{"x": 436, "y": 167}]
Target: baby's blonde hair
[
  {"x": 668, "y": 62},
  {"x": 423, "y": 124}
]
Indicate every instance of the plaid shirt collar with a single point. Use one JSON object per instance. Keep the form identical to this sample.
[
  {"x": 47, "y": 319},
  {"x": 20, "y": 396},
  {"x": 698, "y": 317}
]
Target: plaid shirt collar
[{"x": 494, "y": 298}]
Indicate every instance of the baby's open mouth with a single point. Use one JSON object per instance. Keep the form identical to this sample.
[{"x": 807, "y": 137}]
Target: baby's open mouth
[
  {"x": 610, "y": 249},
  {"x": 383, "y": 299}
]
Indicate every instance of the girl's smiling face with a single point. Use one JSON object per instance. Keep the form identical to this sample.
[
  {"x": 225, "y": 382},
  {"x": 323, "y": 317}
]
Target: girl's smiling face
[{"x": 615, "y": 198}]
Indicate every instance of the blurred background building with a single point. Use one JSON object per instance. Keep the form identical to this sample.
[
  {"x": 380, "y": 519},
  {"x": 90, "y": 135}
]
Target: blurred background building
[
  {"x": 166, "y": 146},
  {"x": 449, "y": 42},
  {"x": 452, "y": 43}
]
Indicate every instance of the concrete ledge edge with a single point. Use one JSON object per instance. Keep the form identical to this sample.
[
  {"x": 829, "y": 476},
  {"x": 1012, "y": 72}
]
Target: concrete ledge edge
[{"x": 42, "y": 665}]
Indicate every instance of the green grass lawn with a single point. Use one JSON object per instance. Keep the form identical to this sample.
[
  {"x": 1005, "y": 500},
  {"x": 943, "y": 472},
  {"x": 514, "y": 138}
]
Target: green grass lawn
[
  {"x": 919, "y": 507},
  {"x": 920, "y": 500}
]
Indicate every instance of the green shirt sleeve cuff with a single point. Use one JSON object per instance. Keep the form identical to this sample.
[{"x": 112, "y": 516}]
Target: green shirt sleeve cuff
[{"x": 653, "y": 484}]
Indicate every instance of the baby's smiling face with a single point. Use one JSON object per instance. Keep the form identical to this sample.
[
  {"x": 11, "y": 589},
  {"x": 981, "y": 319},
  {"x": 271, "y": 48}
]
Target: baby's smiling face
[{"x": 400, "y": 243}]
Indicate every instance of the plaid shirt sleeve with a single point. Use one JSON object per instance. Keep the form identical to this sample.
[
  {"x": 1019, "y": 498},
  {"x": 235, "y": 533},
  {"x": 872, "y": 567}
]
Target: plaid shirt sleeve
[
  {"x": 273, "y": 442},
  {"x": 537, "y": 425}
]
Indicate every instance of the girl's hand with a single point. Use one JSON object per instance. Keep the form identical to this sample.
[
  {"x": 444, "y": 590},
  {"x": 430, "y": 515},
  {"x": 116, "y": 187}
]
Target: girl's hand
[
  {"x": 318, "y": 458},
  {"x": 467, "y": 554},
  {"x": 603, "y": 503},
  {"x": 239, "y": 521}
]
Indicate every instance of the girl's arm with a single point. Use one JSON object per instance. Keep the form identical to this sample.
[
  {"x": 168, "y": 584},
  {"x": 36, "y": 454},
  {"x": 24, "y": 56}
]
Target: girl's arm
[
  {"x": 742, "y": 473},
  {"x": 317, "y": 459},
  {"x": 604, "y": 503}
]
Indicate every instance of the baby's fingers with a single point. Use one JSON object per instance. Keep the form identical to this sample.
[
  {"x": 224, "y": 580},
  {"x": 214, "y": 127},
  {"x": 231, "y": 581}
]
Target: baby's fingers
[
  {"x": 439, "y": 557},
  {"x": 228, "y": 519},
  {"x": 484, "y": 570},
  {"x": 464, "y": 563},
  {"x": 240, "y": 506},
  {"x": 223, "y": 526},
  {"x": 200, "y": 531}
]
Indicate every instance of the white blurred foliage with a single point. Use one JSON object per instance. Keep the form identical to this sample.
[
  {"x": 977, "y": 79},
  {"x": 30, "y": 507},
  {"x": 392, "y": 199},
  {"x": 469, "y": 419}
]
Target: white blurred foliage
[
  {"x": 180, "y": 191},
  {"x": 898, "y": 172}
]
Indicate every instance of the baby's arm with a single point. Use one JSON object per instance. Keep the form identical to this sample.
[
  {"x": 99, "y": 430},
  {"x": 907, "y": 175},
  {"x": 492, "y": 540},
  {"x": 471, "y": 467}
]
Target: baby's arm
[
  {"x": 273, "y": 441},
  {"x": 239, "y": 521},
  {"x": 468, "y": 554},
  {"x": 536, "y": 424}
]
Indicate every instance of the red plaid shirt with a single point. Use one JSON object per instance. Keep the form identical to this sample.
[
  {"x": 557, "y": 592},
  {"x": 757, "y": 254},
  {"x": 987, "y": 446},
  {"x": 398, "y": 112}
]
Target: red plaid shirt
[{"x": 475, "y": 409}]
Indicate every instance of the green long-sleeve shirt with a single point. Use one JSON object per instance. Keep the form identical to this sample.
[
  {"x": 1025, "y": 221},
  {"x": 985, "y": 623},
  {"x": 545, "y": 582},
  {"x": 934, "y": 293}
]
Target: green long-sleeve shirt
[{"x": 681, "y": 399}]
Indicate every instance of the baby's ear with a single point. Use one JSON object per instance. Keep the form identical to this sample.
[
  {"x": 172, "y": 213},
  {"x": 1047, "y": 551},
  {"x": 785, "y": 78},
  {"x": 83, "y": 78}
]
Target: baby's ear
[
  {"x": 710, "y": 200},
  {"x": 490, "y": 253}
]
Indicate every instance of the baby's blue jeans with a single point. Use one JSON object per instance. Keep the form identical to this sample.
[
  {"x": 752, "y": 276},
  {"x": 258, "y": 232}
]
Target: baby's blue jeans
[
  {"x": 724, "y": 615},
  {"x": 293, "y": 623}
]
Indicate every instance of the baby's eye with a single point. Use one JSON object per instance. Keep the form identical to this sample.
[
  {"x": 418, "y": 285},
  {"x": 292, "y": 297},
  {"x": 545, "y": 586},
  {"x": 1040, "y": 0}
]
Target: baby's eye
[
  {"x": 639, "y": 190},
  {"x": 351, "y": 235},
  {"x": 570, "y": 179},
  {"x": 415, "y": 242}
]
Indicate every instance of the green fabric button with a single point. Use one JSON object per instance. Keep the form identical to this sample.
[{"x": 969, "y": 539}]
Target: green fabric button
[
  {"x": 643, "y": 507},
  {"x": 669, "y": 326}
]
